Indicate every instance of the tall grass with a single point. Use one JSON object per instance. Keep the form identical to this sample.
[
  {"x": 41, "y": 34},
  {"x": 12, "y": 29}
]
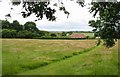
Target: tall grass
[
  {"x": 21, "y": 55},
  {"x": 99, "y": 61}
]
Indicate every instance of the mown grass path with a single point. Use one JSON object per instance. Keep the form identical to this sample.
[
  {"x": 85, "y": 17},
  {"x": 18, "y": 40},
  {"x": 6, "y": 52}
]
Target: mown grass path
[
  {"x": 66, "y": 58},
  {"x": 99, "y": 61},
  {"x": 21, "y": 55}
]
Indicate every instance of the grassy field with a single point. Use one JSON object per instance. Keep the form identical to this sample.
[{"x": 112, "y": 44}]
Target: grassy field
[
  {"x": 58, "y": 57},
  {"x": 20, "y": 55},
  {"x": 89, "y": 34},
  {"x": 99, "y": 61},
  {"x": 0, "y": 57}
]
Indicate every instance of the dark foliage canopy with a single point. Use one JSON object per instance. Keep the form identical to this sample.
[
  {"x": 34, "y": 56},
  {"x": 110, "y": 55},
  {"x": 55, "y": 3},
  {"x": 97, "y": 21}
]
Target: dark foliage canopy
[
  {"x": 107, "y": 24},
  {"x": 16, "y": 30}
]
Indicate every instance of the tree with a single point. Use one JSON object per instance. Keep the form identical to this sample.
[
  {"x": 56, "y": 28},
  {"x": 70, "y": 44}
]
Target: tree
[
  {"x": 5, "y": 24},
  {"x": 108, "y": 23},
  {"x": 41, "y": 9},
  {"x": 53, "y": 35},
  {"x": 15, "y": 25},
  {"x": 9, "y": 33},
  {"x": 87, "y": 37},
  {"x": 43, "y": 33},
  {"x": 64, "y": 33},
  {"x": 30, "y": 26},
  {"x": 16, "y": 30},
  {"x": 26, "y": 34}
]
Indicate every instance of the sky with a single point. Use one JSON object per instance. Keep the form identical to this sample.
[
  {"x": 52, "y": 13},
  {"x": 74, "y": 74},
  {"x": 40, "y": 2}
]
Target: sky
[{"x": 77, "y": 20}]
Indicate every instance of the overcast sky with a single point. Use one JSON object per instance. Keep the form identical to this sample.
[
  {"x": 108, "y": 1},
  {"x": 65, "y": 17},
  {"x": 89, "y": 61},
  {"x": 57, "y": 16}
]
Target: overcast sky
[{"x": 77, "y": 21}]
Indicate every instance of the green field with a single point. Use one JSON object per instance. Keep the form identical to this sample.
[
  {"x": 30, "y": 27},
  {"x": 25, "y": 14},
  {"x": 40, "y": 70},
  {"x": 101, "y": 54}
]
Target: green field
[
  {"x": 88, "y": 34},
  {"x": 0, "y": 57},
  {"x": 57, "y": 57}
]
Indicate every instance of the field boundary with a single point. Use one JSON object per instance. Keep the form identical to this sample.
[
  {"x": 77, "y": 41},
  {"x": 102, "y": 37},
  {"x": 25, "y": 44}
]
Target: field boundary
[{"x": 40, "y": 38}]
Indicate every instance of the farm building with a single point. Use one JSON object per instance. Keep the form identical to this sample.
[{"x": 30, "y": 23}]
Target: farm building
[{"x": 77, "y": 35}]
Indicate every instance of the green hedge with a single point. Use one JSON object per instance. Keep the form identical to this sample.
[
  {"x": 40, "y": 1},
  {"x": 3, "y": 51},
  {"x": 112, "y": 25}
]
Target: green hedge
[{"x": 61, "y": 38}]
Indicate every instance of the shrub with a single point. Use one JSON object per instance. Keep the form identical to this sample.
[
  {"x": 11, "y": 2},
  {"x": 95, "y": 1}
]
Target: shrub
[
  {"x": 9, "y": 33},
  {"x": 75, "y": 53}
]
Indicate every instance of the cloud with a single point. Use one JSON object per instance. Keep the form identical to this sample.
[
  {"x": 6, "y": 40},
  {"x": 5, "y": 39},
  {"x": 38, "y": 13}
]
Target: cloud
[
  {"x": 65, "y": 27},
  {"x": 78, "y": 19}
]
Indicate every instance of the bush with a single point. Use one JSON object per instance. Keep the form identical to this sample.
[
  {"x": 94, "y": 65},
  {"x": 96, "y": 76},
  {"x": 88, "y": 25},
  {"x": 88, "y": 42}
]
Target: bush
[
  {"x": 31, "y": 66},
  {"x": 53, "y": 35},
  {"x": 75, "y": 53},
  {"x": 9, "y": 33},
  {"x": 26, "y": 34}
]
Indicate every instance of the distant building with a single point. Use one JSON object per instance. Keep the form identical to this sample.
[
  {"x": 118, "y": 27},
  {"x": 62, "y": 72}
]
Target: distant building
[
  {"x": 67, "y": 34},
  {"x": 77, "y": 35},
  {"x": 97, "y": 37}
]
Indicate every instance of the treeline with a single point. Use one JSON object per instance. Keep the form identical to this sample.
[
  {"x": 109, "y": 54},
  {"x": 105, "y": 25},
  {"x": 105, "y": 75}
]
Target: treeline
[
  {"x": 16, "y": 30},
  {"x": 30, "y": 30},
  {"x": 82, "y": 31}
]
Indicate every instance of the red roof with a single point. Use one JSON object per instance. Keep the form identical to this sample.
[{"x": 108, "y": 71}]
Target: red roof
[{"x": 77, "y": 36}]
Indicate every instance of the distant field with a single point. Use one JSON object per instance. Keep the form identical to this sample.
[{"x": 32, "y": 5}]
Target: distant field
[
  {"x": 91, "y": 35},
  {"x": 21, "y": 55}
]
